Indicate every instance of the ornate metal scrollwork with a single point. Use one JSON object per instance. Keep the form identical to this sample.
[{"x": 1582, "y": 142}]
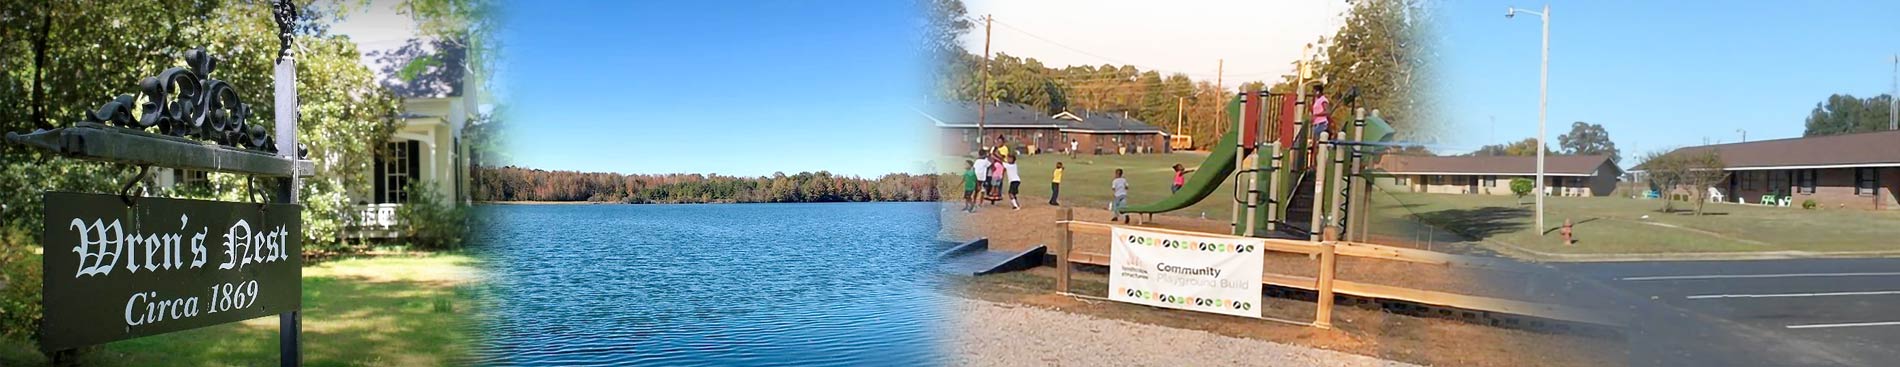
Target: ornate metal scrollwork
[{"x": 187, "y": 102}]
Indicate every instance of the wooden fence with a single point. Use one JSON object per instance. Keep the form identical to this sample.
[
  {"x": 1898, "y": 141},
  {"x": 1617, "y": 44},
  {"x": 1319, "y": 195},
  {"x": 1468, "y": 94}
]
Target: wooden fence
[{"x": 1326, "y": 284}]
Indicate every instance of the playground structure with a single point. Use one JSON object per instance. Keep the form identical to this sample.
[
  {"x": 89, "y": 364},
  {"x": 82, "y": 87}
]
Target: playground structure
[
  {"x": 1308, "y": 196},
  {"x": 1285, "y": 169}
]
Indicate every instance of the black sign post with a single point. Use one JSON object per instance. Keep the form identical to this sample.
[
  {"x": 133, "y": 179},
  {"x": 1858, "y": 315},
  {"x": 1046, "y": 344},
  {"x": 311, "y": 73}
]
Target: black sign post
[{"x": 123, "y": 266}]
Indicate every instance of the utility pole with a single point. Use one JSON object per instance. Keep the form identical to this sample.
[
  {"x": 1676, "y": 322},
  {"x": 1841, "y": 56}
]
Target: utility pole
[
  {"x": 1893, "y": 98},
  {"x": 1180, "y": 114},
  {"x": 1220, "y": 114},
  {"x": 983, "y": 101}
]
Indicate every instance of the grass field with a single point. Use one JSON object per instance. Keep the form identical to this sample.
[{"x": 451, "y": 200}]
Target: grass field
[
  {"x": 1085, "y": 180},
  {"x": 391, "y": 310},
  {"x": 1617, "y": 225}
]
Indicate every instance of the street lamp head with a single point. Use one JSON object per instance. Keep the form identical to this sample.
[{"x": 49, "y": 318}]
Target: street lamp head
[{"x": 1510, "y": 12}]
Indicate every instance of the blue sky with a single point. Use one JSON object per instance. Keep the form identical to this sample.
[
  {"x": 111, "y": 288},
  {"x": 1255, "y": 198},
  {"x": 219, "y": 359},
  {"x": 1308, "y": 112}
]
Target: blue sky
[
  {"x": 1660, "y": 74},
  {"x": 728, "y": 87}
]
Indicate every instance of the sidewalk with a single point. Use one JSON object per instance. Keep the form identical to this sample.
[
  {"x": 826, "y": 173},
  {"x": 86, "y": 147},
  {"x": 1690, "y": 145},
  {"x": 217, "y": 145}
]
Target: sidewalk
[{"x": 997, "y": 334}]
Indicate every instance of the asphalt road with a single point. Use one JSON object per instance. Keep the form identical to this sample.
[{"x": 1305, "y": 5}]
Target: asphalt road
[{"x": 1751, "y": 313}]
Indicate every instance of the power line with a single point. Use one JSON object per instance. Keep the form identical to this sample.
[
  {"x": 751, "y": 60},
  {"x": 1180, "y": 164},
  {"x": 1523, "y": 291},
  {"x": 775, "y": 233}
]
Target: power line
[{"x": 1110, "y": 59}]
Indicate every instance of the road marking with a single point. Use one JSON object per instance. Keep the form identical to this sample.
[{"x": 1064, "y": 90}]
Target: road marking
[
  {"x": 1780, "y": 295},
  {"x": 1748, "y": 276},
  {"x": 1851, "y": 324}
]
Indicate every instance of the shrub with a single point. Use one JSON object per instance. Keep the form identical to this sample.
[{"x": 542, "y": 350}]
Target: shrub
[
  {"x": 19, "y": 285},
  {"x": 1809, "y": 204},
  {"x": 1522, "y": 186},
  {"x": 429, "y": 223}
]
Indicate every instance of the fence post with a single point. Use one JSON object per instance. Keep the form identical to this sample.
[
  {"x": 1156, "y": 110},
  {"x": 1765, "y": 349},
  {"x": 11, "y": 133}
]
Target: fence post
[
  {"x": 1063, "y": 246},
  {"x": 1324, "y": 317}
]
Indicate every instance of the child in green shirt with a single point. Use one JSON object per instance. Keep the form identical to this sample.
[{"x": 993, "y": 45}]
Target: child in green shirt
[{"x": 969, "y": 186}]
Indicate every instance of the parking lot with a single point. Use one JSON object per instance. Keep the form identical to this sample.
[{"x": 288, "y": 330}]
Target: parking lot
[{"x": 1766, "y": 312}]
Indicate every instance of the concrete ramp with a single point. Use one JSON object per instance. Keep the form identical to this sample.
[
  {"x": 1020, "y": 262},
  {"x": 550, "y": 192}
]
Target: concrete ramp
[{"x": 975, "y": 258}]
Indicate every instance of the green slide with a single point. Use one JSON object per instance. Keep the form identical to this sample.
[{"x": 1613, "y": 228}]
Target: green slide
[{"x": 1202, "y": 182}]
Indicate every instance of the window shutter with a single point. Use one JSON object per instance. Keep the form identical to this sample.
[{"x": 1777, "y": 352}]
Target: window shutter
[
  {"x": 379, "y": 176},
  {"x": 414, "y": 168}
]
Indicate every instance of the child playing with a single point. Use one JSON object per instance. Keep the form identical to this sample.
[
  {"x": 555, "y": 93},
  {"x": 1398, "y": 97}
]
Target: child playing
[
  {"x": 996, "y": 181},
  {"x": 1120, "y": 186},
  {"x": 1015, "y": 181},
  {"x": 1322, "y": 120},
  {"x": 1180, "y": 177},
  {"x": 982, "y": 173},
  {"x": 969, "y": 186},
  {"x": 1055, "y": 185}
]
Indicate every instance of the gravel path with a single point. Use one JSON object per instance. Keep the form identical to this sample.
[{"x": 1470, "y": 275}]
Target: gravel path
[{"x": 997, "y": 334}]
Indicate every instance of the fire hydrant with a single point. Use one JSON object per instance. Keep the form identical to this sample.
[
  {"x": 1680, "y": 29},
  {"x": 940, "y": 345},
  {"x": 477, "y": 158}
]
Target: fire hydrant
[{"x": 1568, "y": 240}]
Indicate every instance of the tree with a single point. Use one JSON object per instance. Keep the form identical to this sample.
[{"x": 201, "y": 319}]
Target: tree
[
  {"x": 1694, "y": 170},
  {"x": 1844, "y": 114},
  {"x": 1705, "y": 171},
  {"x": 1521, "y": 148},
  {"x": 1588, "y": 139},
  {"x": 1522, "y": 187},
  {"x": 1382, "y": 50},
  {"x": 344, "y": 114}
]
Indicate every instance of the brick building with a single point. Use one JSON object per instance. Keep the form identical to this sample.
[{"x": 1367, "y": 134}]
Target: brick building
[
  {"x": 1582, "y": 175},
  {"x": 1848, "y": 171},
  {"x": 1028, "y": 129}
]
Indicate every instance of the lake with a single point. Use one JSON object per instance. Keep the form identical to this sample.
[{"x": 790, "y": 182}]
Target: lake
[{"x": 726, "y": 284}]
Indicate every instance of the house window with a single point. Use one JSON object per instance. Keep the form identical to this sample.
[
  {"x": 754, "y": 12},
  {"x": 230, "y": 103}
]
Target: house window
[
  {"x": 395, "y": 169},
  {"x": 1778, "y": 182},
  {"x": 1748, "y": 179},
  {"x": 1490, "y": 181},
  {"x": 1804, "y": 181},
  {"x": 1864, "y": 181},
  {"x": 191, "y": 178}
]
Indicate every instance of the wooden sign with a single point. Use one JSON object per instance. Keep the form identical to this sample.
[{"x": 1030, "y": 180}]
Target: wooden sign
[{"x": 116, "y": 271}]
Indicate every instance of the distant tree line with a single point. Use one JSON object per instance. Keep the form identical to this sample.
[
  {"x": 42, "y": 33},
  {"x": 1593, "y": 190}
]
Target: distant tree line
[
  {"x": 1376, "y": 51},
  {"x": 526, "y": 184}
]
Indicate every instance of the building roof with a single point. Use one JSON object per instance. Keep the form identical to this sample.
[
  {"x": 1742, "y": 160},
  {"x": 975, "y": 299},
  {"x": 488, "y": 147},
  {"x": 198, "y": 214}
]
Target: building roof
[
  {"x": 1554, "y": 165},
  {"x": 1873, "y": 149},
  {"x": 1011, "y": 115},
  {"x": 1110, "y": 123},
  {"x": 418, "y": 67}
]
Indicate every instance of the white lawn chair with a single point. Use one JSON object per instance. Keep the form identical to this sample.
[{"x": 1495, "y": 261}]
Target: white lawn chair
[
  {"x": 1715, "y": 196},
  {"x": 1785, "y": 201}
]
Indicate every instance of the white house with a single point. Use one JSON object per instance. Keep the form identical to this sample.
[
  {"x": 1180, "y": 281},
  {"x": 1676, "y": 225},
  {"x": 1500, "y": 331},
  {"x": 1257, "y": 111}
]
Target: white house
[{"x": 437, "y": 103}]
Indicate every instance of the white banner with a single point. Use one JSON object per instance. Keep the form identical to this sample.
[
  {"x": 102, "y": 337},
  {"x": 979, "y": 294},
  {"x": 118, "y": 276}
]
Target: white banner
[{"x": 1208, "y": 274}]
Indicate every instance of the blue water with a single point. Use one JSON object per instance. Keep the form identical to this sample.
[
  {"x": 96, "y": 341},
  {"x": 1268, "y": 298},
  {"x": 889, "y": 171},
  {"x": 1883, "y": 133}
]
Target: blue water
[{"x": 730, "y": 285}]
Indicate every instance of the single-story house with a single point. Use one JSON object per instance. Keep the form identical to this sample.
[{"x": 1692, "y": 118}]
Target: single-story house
[
  {"x": 1850, "y": 170},
  {"x": 1564, "y": 175},
  {"x": 1027, "y": 128}
]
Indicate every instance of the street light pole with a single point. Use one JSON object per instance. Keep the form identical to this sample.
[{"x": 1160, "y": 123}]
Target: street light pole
[{"x": 1543, "y": 108}]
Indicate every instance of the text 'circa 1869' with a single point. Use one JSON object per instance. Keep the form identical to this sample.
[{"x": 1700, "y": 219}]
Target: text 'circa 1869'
[{"x": 115, "y": 271}]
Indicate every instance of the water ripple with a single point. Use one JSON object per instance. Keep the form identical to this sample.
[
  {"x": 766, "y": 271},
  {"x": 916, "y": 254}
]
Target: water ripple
[{"x": 758, "y": 284}]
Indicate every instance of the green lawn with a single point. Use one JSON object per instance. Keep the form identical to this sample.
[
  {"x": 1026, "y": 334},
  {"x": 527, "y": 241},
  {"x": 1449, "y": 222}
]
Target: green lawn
[
  {"x": 395, "y": 310},
  {"x": 1085, "y": 180},
  {"x": 1607, "y": 225}
]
